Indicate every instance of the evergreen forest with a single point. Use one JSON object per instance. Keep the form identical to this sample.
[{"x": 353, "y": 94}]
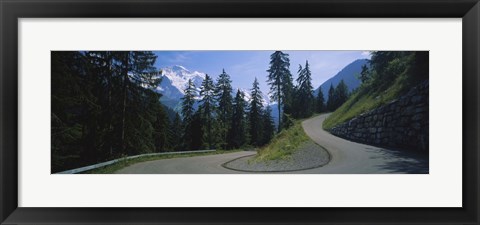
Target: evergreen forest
[{"x": 104, "y": 106}]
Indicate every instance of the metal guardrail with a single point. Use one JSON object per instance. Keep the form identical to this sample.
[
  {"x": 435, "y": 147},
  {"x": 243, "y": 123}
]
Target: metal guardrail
[{"x": 95, "y": 166}]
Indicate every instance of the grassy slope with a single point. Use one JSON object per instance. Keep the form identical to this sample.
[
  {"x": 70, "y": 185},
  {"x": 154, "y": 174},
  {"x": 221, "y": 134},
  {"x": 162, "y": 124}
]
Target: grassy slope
[
  {"x": 122, "y": 164},
  {"x": 283, "y": 144},
  {"x": 361, "y": 102}
]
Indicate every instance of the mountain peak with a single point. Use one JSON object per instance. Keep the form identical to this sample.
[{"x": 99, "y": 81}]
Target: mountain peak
[
  {"x": 175, "y": 80},
  {"x": 348, "y": 74},
  {"x": 247, "y": 97}
]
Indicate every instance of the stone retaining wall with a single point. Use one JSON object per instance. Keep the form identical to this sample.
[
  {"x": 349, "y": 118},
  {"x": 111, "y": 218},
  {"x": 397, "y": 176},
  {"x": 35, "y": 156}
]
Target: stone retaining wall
[{"x": 402, "y": 123}]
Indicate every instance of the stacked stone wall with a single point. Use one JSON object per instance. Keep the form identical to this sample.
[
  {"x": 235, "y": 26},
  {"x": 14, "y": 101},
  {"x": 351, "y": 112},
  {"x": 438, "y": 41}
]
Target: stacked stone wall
[{"x": 402, "y": 123}]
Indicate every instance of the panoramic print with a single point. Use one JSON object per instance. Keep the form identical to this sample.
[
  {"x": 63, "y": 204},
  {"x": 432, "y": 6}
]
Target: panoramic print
[{"x": 240, "y": 112}]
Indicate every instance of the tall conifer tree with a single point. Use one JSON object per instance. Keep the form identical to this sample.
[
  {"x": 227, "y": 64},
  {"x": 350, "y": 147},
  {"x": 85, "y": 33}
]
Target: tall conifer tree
[
  {"x": 255, "y": 115},
  {"x": 138, "y": 72},
  {"x": 223, "y": 96},
  {"x": 304, "y": 91},
  {"x": 341, "y": 94},
  {"x": 320, "y": 101},
  {"x": 197, "y": 129},
  {"x": 331, "y": 98},
  {"x": 364, "y": 74},
  {"x": 207, "y": 108},
  {"x": 280, "y": 81},
  {"x": 176, "y": 133},
  {"x": 268, "y": 126},
  {"x": 237, "y": 136},
  {"x": 188, "y": 101},
  {"x": 104, "y": 106}
]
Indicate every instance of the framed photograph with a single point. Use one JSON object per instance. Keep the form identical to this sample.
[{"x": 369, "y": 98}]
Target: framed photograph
[{"x": 201, "y": 112}]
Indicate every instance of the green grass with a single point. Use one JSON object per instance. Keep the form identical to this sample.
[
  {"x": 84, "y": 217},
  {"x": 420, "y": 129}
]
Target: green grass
[
  {"x": 365, "y": 100},
  {"x": 283, "y": 144},
  {"x": 127, "y": 162}
]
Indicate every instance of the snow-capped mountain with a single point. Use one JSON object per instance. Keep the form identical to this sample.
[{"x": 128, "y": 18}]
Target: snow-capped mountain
[
  {"x": 247, "y": 97},
  {"x": 175, "y": 80}
]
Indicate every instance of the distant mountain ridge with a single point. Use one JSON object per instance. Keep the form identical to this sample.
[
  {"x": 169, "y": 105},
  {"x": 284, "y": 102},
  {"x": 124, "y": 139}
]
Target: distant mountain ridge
[
  {"x": 175, "y": 81},
  {"x": 349, "y": 75}
]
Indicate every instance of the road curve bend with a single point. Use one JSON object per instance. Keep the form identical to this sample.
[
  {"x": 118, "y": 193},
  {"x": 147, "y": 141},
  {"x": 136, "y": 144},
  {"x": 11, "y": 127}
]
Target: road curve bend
[
  {"x": 348, "y": 157},
  {"x": 206, "y": 164}
]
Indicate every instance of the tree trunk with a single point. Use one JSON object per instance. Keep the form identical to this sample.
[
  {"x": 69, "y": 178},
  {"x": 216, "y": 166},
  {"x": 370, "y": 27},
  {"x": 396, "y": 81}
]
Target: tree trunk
[
  {"x": 124, "y": 102},
  {"x": 279, "y": 109},
  {"x": 109, "y": 100}
]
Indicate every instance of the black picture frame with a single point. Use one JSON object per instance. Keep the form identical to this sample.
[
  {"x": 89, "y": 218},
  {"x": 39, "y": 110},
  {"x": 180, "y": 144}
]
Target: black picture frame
[{"x": 12, "y": 10}]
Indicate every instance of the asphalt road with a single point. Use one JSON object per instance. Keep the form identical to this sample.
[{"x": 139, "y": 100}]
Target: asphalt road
[
  {"x": 346, "y": 158},
  {"x": 207, "y": 164},
  {"x": 353, "y": 158}
]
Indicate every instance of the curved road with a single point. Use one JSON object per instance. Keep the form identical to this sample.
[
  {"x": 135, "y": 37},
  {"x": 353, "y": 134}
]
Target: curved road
[
  {"x": 349, "y": 157},
  {"x": 207, "y": 164},
  {"x": 346, "y": 158}
]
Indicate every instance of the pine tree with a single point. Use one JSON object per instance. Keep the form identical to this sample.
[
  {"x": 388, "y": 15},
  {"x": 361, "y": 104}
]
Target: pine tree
[
  {"x": 207, "y": 108},
  {"x": 103, "y": 107},
  {"x": 331, "y": 98},
  {"x": 304, "y": 92},
  {"x": 101, "y": 64},
  {"x": 288, "y": 101},
  {"x": 223, "y": 95},
  {"x": 237, "y": 136},
  {"x": 161, "y": 127},
  {"x": 364, "y": 74},
  {"x": 320, "y": 101},
  {"x": 296, "y": 107},
  {"x": 255, "y": 115},
  {"x": 176, "y": 133},
  {"x": 70, "y": 89},
  {"x": 268, "y": 126},
  {"x": 188, "y": 101},
  {"x": 197, "y": 130},
  {"x": 341, "y": 94},
  {"x": 143, "y": 112},
  {"x": 280, "y": 81},
  {"x": 138, "y": 71}
]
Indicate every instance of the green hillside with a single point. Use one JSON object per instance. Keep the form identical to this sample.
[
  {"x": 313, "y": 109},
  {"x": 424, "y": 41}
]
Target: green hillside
[
  {"x": 284, "y": 143},
  {"x": 391, "y": 75}
]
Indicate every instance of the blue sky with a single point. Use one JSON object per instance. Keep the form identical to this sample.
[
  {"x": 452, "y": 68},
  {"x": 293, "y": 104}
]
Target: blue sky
[{"x": 244, "y": 66}]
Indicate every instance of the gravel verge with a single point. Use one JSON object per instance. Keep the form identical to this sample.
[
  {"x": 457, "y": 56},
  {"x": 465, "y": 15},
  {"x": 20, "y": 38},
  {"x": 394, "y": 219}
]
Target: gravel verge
[{"x": 310, "y": 155}]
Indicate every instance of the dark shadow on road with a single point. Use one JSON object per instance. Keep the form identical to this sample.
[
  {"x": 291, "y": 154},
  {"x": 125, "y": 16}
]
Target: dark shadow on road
[{"x": 403, "y": 161}]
